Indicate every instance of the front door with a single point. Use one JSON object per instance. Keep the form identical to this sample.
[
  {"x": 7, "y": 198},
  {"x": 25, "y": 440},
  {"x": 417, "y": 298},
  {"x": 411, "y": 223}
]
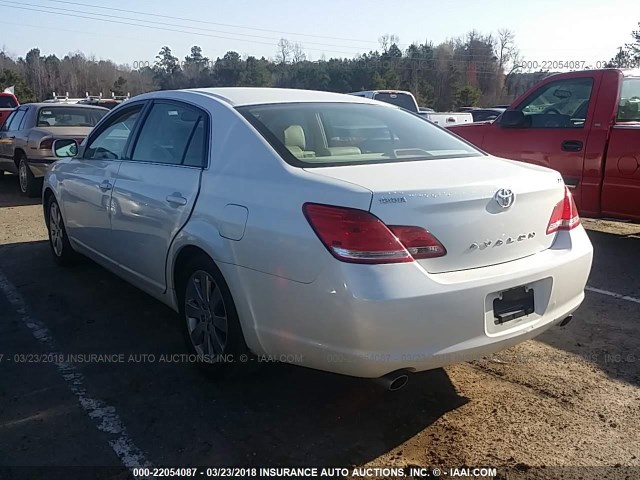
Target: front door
[
  {"x": 555, "y": 131},
  {"x": 88, "y": 183}
]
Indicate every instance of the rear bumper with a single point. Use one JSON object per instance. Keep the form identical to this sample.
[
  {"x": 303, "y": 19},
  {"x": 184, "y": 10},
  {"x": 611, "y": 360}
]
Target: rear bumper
[{"x": 369, "y": 320}]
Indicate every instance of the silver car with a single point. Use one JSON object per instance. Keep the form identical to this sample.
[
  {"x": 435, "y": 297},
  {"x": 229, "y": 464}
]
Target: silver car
[
  {"x": 27, "y": 136},
  {"x": 319, "y": 229}
]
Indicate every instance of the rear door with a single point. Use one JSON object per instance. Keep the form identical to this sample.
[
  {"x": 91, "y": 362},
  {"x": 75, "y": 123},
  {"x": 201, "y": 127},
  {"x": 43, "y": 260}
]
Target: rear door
[
  {"x": 156, "y": 189},
  {"x": 558, "y": 114},
  {"x": 14, "y": 134},
  {"x": 6, "y": 160},
  {"x": 621, "y": 187}
]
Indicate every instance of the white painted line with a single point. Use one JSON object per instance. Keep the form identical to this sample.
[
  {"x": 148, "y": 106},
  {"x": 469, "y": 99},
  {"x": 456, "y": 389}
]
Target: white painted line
[
  {"x": 612, "y": 294},
  {"x": 103, "y": 415}
]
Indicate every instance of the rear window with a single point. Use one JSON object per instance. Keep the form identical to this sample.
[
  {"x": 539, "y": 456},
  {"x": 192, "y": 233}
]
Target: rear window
[
  {"x": 328, "y": 134},
  {"x": 629, "y": 106},
  {"x": 69, "y": 116},
  {"x": 402, "y": 100},
  {"x": 7, "y": 102}
]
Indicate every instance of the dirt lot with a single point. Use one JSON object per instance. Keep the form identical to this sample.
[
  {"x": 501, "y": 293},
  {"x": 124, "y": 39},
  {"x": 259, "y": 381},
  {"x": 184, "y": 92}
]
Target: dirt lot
[{"x": 569, "y": 398}]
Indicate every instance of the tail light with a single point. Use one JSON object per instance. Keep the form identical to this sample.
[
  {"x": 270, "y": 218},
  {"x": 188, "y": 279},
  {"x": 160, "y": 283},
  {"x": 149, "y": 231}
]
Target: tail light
[
  {"x": 46, "y": 143},
  {"x": 565, "y": 214},
  {"x": 357, "y": 236}
]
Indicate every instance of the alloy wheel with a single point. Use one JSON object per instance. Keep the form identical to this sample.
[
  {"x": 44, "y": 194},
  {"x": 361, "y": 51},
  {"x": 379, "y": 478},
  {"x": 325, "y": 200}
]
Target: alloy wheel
[
  {"x": 206, "y": 315},
  {"x": 55, "y": 229},
  {"x": 22, "y": 173}
]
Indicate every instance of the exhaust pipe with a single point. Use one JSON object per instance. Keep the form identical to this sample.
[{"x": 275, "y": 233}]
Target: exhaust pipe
[
  {"x": 566, "y": 321},
  {"x": 394, "y": 381}
]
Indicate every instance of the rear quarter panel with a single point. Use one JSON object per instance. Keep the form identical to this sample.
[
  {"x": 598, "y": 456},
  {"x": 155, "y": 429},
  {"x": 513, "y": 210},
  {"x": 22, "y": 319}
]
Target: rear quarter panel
[
  {"x": 245, "y": 171},
  {"x": 276, "y": 241}
]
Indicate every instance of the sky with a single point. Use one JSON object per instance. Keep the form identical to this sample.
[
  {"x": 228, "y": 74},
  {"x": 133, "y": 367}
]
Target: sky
[{"x": 586, "y": 31}]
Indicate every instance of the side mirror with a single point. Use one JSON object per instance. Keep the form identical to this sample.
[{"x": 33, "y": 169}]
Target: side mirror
[
  {"x": 512, "y": 119},
  {"x": 65, "y": 147}
]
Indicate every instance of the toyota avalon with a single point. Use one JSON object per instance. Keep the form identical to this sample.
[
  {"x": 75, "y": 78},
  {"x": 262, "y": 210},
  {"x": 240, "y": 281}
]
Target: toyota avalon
[{"x": 342, "y": 233}]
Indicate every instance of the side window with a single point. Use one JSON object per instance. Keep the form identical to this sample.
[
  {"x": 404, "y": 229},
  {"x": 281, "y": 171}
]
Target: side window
[
  {"x": 561, "y": 104},
  {"x": 111, "y": 143},
  {"x": 629, "y": 106},
  {"x": 195, "y": 154},
  {"x": 171, "y": 134},
  {"x": 25, "y": 117},
  {"x": 7, "y": 121},
  {"x": 16, "y": 120}
]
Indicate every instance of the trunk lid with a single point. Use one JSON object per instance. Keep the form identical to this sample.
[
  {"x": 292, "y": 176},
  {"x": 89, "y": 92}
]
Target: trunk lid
[{"x": 457, "y": 201}]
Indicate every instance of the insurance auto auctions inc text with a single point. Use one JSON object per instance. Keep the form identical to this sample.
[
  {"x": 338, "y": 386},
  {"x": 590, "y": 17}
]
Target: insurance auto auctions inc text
[{"x": 379, "y": 472}]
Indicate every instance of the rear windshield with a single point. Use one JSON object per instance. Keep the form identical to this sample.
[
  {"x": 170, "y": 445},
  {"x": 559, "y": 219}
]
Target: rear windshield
[
  {"x": 7, "y": 102},
  {"x": 324, "y": 134},
  {"x": 69, "y": 116},
  {"x": 629, "y": 107},
  {"x": 402, "y": 100}
]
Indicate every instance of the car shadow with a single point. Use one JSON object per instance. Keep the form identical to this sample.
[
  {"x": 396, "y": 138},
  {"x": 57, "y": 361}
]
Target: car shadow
[
  {"x": 605, "y": 330},
  {"x": 277, "y": 414},
  {"x": 10, "y": 195}
]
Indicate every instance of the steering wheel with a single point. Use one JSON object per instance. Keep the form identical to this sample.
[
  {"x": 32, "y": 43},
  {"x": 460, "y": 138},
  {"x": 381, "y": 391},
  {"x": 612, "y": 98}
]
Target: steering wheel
[{"x": 553, "y": 110}]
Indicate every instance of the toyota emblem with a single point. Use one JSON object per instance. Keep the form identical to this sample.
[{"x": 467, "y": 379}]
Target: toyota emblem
[{"x": 505, "y": 197}]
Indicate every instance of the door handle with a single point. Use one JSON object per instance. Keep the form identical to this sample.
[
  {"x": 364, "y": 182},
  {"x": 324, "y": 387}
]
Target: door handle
[
  {"x": 572, "y": 146},
  {"x": 176, "y": 198},
  {"x": 105, "y": 186}
]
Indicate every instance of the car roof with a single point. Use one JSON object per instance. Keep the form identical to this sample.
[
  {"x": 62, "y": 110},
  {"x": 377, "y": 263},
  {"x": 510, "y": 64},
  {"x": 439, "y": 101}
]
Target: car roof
[
  {"x": 631, "y": 72},
  {"x": 61, "y": 104},
  {"x": 240, "y": 96},
  {"x": 626, "y": 72},
  {"x": 405, "y": 92}
]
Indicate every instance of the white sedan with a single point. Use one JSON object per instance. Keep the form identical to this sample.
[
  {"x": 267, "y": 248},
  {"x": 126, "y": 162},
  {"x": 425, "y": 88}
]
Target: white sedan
[{"x": 326, "y": 230}]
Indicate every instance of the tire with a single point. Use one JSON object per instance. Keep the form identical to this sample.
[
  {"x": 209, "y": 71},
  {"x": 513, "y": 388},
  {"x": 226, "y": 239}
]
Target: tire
[
  {"x": 209, "y": 319},
  {"x": 30, "y": 186},
  {"x": 61, "y": 249}
]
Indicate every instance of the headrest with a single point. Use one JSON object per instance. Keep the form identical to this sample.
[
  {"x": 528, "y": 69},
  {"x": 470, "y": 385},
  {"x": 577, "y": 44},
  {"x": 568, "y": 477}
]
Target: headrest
[{"x": 294, "y": 137}]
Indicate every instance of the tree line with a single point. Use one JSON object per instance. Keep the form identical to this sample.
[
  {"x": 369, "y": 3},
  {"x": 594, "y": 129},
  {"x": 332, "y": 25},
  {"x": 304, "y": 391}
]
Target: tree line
[
  {"x": 628, "y": 56},
  {"x": 475, "y": 69}
]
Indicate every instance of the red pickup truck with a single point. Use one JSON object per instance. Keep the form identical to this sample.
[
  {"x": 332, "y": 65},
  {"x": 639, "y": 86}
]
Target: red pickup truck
[
  {"x": 8, "y": 103},
  {"x": 584, "y": 124}
]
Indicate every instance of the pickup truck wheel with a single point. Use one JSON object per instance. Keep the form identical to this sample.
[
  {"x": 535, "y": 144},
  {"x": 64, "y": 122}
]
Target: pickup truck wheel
[
  {"x": 210, "y": 323},
  {"x": 63, "y": 253},
  {"x": 29, "y": 185}
]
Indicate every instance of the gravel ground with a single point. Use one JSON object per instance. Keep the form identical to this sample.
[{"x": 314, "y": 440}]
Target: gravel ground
[{"x": 570, "y": 398}]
